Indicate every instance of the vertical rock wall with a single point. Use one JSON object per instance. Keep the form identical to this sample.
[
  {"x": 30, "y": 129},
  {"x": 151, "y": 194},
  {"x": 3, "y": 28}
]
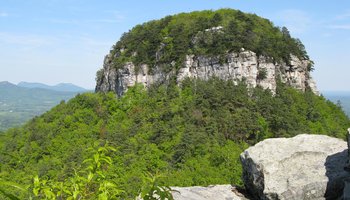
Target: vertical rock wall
[{"x": 245, "y": 65}]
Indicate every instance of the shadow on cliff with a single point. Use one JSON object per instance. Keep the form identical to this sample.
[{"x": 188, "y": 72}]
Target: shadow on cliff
[{"x": 336, "y": 174}]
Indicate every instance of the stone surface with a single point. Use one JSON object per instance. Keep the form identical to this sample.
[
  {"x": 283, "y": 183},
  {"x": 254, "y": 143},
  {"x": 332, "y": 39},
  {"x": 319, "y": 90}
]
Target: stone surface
[
  {"x": 217, "y": 192},
  {"x": 244, "y": 65},
  {"x": 302, "y": 167},
  {"x": 346, "y": 191},
  {"x": 348, "y": 138}
]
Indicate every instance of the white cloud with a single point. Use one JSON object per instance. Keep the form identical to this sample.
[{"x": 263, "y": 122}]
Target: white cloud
[
  {"x": 326, "y": 35},
  {"x": 4, "y": 14},
  {"x": 297, "y": 21},
  {"x": 26, "y": 40},
  {"x": 104, "y": 20},
  {"x": 343, "y": 16},
  {"x": 85, "y": 21},
  {"x": 116, "y": 15},
  {"x": 94, "y": 42},
  {"x": 340, "y": 27},
  {"x": 112, "y": 17},
  {"x": 63, "y": 21}
]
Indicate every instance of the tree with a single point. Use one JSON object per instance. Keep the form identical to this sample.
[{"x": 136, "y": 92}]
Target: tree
[{"x": 285, "y": 32}]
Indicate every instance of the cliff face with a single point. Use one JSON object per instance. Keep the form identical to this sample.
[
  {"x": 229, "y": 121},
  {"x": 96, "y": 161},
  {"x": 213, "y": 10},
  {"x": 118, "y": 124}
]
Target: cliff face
[{"x": 245, "y": 65}]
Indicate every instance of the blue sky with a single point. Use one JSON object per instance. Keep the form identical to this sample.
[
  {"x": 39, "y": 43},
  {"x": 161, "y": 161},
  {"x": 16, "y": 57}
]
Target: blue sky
[{"x": 53, "y": 41}]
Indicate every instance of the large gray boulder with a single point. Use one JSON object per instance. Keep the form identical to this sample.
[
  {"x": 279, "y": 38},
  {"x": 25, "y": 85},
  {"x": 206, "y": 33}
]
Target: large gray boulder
[
  {"x": 302, "y": 167},
  {"x": 217, "y": 192}
]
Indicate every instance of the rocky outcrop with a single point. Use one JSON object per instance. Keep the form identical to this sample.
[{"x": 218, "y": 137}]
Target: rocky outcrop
[
  {"x": 217, "y": 192},
  {"x": 302, "y": 167},
  {"x": 245, "y": 65},
  {"x": 346, "y": 191}
]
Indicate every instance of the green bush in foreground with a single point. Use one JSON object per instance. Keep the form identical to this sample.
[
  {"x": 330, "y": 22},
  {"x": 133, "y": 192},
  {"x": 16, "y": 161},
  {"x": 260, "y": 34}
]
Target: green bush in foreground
[{"x": 91, "y": 182}]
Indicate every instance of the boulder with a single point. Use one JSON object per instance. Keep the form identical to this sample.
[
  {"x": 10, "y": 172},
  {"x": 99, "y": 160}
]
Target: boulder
[
  {"x": 217, "y": 192},
  {"x": 346, "y": 191},
  {"x": 302, "y": 167}
]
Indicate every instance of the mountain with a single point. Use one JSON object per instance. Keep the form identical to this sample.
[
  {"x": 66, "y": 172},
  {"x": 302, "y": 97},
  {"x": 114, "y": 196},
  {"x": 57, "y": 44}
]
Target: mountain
[
  {"x": 342, "y": 97},
  {"x": 177, "y": 132},
  {"x": 226, "y": 43},
  {"x": 19, "y": 104},
  {"x": 62, "y": 87}
]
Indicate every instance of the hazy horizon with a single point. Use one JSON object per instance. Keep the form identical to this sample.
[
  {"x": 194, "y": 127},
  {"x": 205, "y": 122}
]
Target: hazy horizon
[{"x": 65, "y": 41}]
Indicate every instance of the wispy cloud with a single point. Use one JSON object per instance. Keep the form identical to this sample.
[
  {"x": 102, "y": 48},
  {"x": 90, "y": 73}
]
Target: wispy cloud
[
  {"x": 340, "y": 27},
  {"x": 110, "y": 17},
  {"x": 94, "y": 42},
  {"x": 297, "y": 21},
  {"x": 26, "y": 40},
  {"x": 345, "y": 15},
  {"x": 116, "y": 15},
  {"x": 63, "y": 21},
  {"x": 104, "y": 20},
  {"x": 86, "y": 21},
  {"x": 4, "y": 14}
]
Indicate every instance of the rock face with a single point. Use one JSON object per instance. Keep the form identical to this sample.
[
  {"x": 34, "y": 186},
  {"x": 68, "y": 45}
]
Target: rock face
[
  {"x": 245, "y": 65},
  {"x": 217, "y": 192},
  {"x": 302, "y": 167},
  {"x": 346, "y": 192}
]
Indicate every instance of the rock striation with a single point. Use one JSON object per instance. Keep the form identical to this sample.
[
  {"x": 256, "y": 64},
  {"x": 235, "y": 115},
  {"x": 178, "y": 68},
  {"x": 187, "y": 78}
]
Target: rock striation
[
  {"x": 242, "y": 66},
  {"x": 302, "y": 167}
]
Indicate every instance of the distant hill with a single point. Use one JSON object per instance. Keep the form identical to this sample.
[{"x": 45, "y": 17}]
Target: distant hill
[
  {"x": 19, "y": 104},
  {"x": 339, "y": 96},
  {"x": 62, "y": 87}
]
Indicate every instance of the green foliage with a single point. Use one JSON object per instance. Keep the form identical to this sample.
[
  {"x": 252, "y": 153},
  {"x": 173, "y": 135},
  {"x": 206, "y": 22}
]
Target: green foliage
[
  {"x": 192, "y": 135},
  {"x": 262, "y": 74},
  {"x": 170, "y": 39},
  {"x": 4, "y": 189},
  {"x": 91, "y": 182},
  {"x": 151, "y": 189}
]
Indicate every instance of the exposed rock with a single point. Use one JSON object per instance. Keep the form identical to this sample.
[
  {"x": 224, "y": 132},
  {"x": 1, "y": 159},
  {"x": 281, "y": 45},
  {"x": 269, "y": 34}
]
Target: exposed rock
[
  {"x": 244, "y": 65},
  {"x": 217, "y": 192},
  {"x": 302, "y": 167},
  {"x": 348, "y": 138},
  {"x": 346, "y": 191}
]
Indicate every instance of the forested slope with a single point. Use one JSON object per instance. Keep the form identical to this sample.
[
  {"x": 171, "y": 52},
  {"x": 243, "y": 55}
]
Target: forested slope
[{"x": 192, "y": 134}]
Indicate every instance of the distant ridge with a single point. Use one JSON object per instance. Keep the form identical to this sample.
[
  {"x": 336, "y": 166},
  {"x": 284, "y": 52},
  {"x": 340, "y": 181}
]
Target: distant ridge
[
  {"x": 62, "y": 87},
  {"x": 19, "y": 104},
  {"x": 342, "y": 97},
  {"x": 7, "y": 84}
]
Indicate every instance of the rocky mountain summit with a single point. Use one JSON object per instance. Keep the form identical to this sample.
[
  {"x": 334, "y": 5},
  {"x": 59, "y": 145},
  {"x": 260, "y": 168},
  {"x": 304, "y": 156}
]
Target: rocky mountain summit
[{"x": 227, "y": 44}]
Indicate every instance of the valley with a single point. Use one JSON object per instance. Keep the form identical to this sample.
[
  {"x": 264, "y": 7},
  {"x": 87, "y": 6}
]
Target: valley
[{"x": 20, "y": 104}]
